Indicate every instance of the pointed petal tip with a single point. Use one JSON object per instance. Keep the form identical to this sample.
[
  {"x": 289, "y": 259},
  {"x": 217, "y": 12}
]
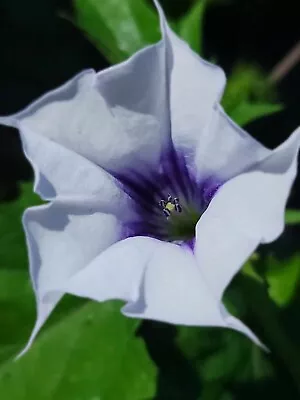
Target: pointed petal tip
[
  {"x": 9, "y": 121},
  {"x": 295, "y": 138},
  {"x": 37, "y": 327},
  {"x": 237, "y": 325},
  {"x": 164, "y": 27},
  {"x": 13, "y": 120}
]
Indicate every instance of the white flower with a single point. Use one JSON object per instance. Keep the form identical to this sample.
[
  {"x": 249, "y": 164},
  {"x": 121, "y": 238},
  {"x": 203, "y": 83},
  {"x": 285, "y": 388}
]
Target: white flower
[{"x": 155, "y": 196}]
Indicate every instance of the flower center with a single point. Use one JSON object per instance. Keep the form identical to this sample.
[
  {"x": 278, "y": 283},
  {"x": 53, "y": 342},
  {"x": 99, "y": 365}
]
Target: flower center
[
  {"x": 180, "y": 221},
  {"x": 172, "y": 204},
  {"x": 168, "y": 202}
]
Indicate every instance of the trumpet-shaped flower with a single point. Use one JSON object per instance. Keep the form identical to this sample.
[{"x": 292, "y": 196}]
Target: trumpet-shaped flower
[{"x": 155, "y": 196}]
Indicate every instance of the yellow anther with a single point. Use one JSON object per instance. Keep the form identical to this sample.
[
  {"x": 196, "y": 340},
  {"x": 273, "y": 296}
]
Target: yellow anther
[{"x": 170, "y": 206}]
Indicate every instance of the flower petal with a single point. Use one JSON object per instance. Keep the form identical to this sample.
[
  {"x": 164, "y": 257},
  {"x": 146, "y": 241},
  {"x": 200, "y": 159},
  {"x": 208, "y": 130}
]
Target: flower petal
[
  {"x": 195, "y": 86},
  {"x": 57, "y": 235},
  {"x": 116, "y": 273},
  {"x": 160, "y": 281},
  {"x": 114, "y": 118},
  {"x": 234, "y": 323},
  {"x": 226, "y": 149},
  {"x": 246, "y": 211},
  {"x": 63, "y": 173},
  {"x": 173, "y": 290}
]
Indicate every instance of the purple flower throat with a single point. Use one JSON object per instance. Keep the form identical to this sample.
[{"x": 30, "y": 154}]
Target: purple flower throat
[{"x": 168, "y": 201}]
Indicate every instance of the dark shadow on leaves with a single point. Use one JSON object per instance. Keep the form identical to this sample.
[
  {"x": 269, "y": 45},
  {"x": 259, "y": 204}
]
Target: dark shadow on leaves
[{"x": 177, "y": 378}]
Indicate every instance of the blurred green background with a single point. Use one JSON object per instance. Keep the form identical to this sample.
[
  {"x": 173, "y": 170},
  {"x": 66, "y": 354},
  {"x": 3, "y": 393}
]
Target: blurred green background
[{"x": 88, "y": 351}]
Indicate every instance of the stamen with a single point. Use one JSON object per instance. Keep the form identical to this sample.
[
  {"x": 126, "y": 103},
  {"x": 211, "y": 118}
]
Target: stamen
[
  {"x": 177, "y": 205},
  {"x": 170, "y": 205},
  {"x": 181, "y": 217}
]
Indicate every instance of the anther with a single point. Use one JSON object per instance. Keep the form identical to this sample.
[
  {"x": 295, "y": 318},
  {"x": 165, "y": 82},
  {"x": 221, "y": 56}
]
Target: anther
[
  {"x": 170, "y": 205},
  {"x": 177, "y": 205}
]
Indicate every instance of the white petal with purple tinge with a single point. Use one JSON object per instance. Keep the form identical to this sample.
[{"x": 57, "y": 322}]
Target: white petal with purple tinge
[
  {"x": 62, "y": 172},
  {"x": 115, "y": 118},
  {"x": 160, "y": 281},
  {"x": 246, "y": 211},
  {"x": 226, "y": 149},
  {"x": 116, "y": 273},
  {"x": 195, "y": 86},
  {"x": 63, "y": 237}
]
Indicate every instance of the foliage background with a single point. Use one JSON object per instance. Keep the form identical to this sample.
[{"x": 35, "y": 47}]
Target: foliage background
[{"x": 89, "y": 351}]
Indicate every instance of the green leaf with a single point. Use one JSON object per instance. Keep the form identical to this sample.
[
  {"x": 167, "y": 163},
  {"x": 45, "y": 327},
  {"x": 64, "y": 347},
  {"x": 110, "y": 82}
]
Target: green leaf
[
  {"x": 249, "y": 270},
  {"x": 215, "y": 391},
  {"x": 117, "y": 28},
  {"x": 13, "y": 252},
  {"x": 249, "y": 95},
  {"x": 244, "y": 83},
  {"x": 91, "y": 354},
  {"x": 223, "y": 356},
  {"x": 16, "y": 294},
  {"x": 283, "y": 278},
  {"x": 86, "y": 350},
  {"x": 191, "y": 25},
  {"x": 17, "y": 311},
  {"x": 292, "y": 217},
  {"x": 246, "y": 112}
]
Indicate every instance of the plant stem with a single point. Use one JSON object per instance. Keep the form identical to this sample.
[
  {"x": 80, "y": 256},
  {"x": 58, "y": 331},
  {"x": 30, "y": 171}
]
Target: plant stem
[{"x": 285, "y": 65}]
